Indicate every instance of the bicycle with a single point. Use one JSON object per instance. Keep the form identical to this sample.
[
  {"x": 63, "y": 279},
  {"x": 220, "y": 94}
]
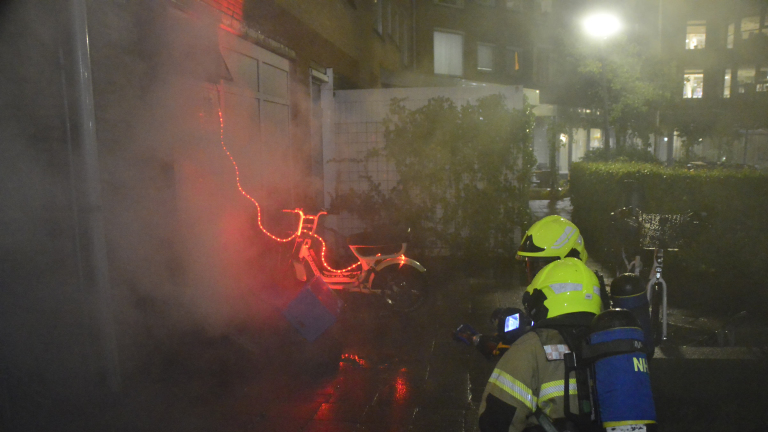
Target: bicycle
[
  {"x": 657, "y": 232},
  {"x": 381, "y": 269}
]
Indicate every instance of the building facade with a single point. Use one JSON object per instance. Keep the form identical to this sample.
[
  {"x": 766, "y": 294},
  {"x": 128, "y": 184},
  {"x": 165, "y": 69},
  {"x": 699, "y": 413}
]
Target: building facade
[{"x": 721, "y": 49}]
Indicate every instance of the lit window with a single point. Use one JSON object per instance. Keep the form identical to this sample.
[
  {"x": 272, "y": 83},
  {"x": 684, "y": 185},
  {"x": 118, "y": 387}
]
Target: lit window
[
  {"x": 595, "y": 138},
  {"x": 449, "y": 53},
  {"x": 729, "y": 39},
  {"x": 745, "y": 78},
  {"x": 693, "y": 87},
  {"x": 454, "y": 3},
  {"x": 762, "y": 80},
  {"x": 513, "y": 60},
  {"x": 695, "y": 35},
  {"x": 484, "y": 57},
  {"x": 727, "y": 84},
  {"x": 750, "y": 26}
]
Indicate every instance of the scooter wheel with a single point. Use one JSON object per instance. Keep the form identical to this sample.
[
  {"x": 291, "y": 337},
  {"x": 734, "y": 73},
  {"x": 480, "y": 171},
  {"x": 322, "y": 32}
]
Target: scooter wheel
[{"x": 404, "y": 288}]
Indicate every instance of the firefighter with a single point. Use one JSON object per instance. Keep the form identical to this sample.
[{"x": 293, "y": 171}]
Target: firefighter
[
  {"x": 526, "y": 387},
  {"x": 550, "y": 239}
]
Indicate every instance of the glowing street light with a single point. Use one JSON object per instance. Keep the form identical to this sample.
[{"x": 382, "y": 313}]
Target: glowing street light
[{"x": 601, "y": 25}]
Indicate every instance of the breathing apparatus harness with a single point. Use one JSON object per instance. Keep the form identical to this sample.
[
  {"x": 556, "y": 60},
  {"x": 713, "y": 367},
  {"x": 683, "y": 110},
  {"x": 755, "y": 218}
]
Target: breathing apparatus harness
[{"x": 603, "y": 356}]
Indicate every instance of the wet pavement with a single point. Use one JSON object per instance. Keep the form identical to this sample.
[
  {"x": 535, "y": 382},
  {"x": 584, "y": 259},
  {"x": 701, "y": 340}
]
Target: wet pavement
[
  {"x": 375, "y": 370},
  {"x": 379, "y": 371}
]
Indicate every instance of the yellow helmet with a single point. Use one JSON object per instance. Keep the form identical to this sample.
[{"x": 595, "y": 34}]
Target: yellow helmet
[
  {"x": 562, "y": 287},
  {"x": 553, "y": 237}
]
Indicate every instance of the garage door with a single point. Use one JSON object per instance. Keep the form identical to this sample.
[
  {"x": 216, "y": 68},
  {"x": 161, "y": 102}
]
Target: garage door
[{"x": 255, "y": 106}]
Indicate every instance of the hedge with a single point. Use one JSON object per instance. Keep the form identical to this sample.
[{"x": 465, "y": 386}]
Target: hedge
[{"x": 724, "y": 265}]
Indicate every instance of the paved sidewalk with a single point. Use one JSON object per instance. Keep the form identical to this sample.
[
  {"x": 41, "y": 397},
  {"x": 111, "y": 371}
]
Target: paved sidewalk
[{"x": 398, "y": 373}]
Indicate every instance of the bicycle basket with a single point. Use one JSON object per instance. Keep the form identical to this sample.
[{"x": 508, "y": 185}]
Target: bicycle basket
[{"x": 661, "y": 231}]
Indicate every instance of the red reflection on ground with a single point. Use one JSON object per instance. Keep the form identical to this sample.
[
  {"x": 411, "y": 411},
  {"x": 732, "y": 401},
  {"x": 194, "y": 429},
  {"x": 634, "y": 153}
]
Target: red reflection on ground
[
  {"x": 402, "y": 389},
  {"x": 352, "y": 359}
]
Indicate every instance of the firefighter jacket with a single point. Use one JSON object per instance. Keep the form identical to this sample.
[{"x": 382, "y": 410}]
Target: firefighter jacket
[{"x": 529, "y": 376}]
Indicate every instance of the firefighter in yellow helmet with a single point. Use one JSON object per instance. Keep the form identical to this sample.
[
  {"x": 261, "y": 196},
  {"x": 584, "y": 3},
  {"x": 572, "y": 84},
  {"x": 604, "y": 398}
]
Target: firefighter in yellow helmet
[
  {"x": 550, "y": 239},
  {"x": 527, "y": 386}
]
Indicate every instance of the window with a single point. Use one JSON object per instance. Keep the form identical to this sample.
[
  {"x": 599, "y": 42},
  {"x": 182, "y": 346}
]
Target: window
[
  {"x": 762, "y": 79},
  {"x": 745, "y": 78},
  {"x": 449, "y": 53},
  {"x": 453, "y": 3},
  {"x": 729, "y": 38},
  {"x": 512, "y": 60},
  {"x": 750, "y": 26},
  {"x": 693, "y": 87},
  {"x": 727, "y": 84},
  {"x": 695, "y": 35},
  {"x": 485, "y": 57},
  {"x": 595, "y": 138}
]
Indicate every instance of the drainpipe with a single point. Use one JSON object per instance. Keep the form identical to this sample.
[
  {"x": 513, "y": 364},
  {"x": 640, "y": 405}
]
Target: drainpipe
[{"x": 93, "y": 212}]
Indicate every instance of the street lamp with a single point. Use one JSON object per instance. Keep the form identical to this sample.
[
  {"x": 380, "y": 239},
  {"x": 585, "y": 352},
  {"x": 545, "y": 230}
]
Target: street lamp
[{"x": 601, "y": 26}]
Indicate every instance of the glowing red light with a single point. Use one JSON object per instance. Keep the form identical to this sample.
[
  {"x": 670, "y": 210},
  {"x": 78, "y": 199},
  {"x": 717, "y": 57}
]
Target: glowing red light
[
  {"x": 322, "y": 257},
  {"x": 401, "y": 387},
  {"x": 240, "y": 187},
  {"x": 354, "y": 358},
  {"x": 301, "y": 214},
  {"x": 232, "y": 8}
]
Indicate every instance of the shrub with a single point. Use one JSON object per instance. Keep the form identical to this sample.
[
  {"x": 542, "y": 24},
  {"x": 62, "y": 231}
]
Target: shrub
[
  {"x": 463, "y": 176},
  {"x": 723, "y": 264}
]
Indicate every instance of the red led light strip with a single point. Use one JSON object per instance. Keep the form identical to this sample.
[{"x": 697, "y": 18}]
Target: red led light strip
[
  {"x": 302, "y": 216},
  {"x": 355, "y": 359},
  {"x": 240, "y": 187},
  {"x": 258, "y": 207},
  {"x": 322, "y": 257}
]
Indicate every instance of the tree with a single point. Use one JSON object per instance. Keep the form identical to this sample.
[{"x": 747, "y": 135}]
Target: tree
[
  {"x": 463, "y": 176},
  {"x": 637, "y": 86}
]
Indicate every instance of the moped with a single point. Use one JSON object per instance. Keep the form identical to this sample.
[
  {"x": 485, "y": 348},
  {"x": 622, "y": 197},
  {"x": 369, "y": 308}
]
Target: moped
[{"x": 380, "y": 269}]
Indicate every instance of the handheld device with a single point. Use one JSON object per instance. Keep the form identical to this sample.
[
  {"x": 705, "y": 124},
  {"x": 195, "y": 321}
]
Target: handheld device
[{"x": 511, "y": 323}]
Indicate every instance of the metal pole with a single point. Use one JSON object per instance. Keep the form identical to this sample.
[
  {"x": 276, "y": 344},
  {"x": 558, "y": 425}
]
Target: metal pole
[
  {"x": 746, "y": 144},
  {"x": 604, "y": 88},
  {"x": 671, "y": 150},
  {"x": 93, "y": 213}
]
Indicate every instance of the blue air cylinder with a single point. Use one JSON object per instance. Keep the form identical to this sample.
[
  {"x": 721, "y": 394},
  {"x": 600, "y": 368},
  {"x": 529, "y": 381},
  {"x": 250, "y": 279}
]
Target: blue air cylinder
[
  {"x": 628, "y": 292},
  {"x": 622, "y": 381}
]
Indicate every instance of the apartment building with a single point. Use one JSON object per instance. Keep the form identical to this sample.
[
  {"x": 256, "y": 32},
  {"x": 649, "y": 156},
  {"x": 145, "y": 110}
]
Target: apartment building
[{"x": 721, "y": 50}]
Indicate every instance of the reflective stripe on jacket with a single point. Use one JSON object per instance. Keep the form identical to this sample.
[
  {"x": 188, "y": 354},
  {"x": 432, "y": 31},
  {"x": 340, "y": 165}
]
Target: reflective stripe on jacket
[{"x": 527, "y": 379}]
